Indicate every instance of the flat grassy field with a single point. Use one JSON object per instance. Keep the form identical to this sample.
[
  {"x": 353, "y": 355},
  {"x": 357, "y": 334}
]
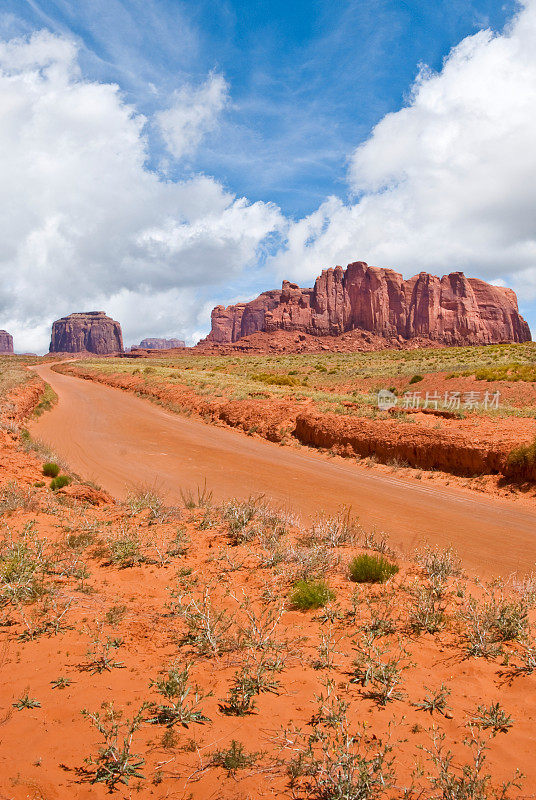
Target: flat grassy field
[{"x": 347, "y": 383}]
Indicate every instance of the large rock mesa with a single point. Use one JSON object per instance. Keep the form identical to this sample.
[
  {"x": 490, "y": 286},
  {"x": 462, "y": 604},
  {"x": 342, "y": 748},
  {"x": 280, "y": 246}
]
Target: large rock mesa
[
  {"x": 91, "y": 332},
  {"x": 452, "y": 310}
]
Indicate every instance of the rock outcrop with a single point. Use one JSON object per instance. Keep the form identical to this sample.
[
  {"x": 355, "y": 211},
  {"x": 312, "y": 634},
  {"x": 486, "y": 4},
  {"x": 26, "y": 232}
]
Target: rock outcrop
[
  {"x": 6, "y": 342},
  {"x": 161, "y": 344},
  {"x": 452, "y": 310},
  {"x": 91, "y": 332}
]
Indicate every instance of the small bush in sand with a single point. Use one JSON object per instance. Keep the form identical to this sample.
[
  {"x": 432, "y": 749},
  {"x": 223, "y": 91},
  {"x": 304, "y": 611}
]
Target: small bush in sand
[
  {"x": 492, "y": 718},
  {"x": 51, "y": 470},
  {"x": 435, "y": 700},
  {"x": 521, "y": 462},
  {"x": 26, "y": 702},
  {"x": 115, "y": 763},
  {"x": 59, "y": 482},
  {"x": 183, "y": 700},
  {"x": 126, "y": 549},
  {"x": 371, "y": 569},
  {"x": 234, "y": 758},
  {"x": 310, "y": 594},
  {"x": 201, "y": 499},
  {"x": 13, "y": 497},
  {"x": 415, "y": 379}
]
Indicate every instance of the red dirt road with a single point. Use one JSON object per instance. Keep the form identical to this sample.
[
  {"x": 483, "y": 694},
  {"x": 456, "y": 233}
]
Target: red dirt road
[{"x": 123, "y": 443}]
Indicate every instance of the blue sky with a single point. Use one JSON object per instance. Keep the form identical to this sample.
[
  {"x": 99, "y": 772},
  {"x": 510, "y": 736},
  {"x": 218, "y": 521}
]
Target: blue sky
[
  {"x": 253, "y": 141},
  {"x": 309, "y": 80}
]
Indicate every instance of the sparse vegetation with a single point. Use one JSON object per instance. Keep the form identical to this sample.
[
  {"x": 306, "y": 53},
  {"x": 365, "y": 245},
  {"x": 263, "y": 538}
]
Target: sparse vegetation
[
  {"x": 371, "y": 569},
  {"x": 51, "y": 469},
  {"x": 306, "y": 595},
  {"x": 115, "y": 763},
  {"x": 59, "y": 482}
]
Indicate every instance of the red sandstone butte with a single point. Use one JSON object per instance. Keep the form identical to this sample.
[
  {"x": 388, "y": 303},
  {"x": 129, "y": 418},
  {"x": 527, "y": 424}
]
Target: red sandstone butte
[
  {"x": 91, "y": 332},
  {"x": 452, "y": 310},
  {"x": 6, "y": 342}
]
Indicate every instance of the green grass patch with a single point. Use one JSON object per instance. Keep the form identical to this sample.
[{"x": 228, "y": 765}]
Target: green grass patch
[
  {"x": 51, "y": 470},
  {"x": 310, "y": 594},
  {"x": 59, "y": 482},
  {"x": 371, "y": 569}
]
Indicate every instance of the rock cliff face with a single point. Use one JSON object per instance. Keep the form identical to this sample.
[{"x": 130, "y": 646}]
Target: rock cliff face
[
  {"x": 91, "y": 332},
  {"x": 161, "y": 344},
  {"x": 453, "y": 310},
  {"x": 6, "y": 342}
]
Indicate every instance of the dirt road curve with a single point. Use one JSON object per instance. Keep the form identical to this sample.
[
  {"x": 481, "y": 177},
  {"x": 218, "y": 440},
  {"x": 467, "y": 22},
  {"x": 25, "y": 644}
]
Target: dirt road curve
[{"x": 122, "y": 442}]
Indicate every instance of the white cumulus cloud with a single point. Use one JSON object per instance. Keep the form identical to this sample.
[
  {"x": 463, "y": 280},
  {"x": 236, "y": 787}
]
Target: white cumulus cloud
[
  {"x": 447, "y": 182},
  {"x": 193, "y": 113},
  {"x": 85, "y": 224}
]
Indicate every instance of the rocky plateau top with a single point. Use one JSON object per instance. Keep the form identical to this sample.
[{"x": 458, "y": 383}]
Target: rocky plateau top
[{"x": 452, "y": 310}]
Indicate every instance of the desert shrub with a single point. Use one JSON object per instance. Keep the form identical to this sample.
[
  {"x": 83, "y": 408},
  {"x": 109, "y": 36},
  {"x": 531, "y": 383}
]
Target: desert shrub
[
  {"x": 23, "y": 566},
  {"x": 239, "y": 516},
  {"x": 59, "y": 482},
  {"x": 13, "y": 497},
  {"x": 234, "y": 758},
  {"x": 469, "y": 779},
  {"x": 126, "y": 549},
  {"x": 521, "y": 462},
  {"x": 427, "y": 611},
  {"x": 182, "y": 705},
  {"x": 114, "y": 763},
  {"x": 439, "y": 564},
  {"x": 26, "y": 702},
  {"x": 492, "y": 718},
  {"x": 201, "y": 499},
  {"x": 488, "y": 625},
  {"x": 51, "y": 470},
  {"x": 435, "y": 700},
  {"x": 336, "y": 530},
  {"x": 271, "y": 379},
  {"x": 148, "y": 500},
  {"x": 416, "y": 379},
  {"x": 371, "y": 569},
  {"x": 211, "y": 631},
  {"x": 310, "y": 594}
]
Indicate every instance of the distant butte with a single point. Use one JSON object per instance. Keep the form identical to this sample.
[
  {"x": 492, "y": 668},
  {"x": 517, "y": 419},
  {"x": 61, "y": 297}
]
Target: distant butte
[
  {"x": 161, "y": 344},
  {"x": 90, "y": 332},
  {"x": 6, "y": 342},
  {"x": 452, "y": 310}
]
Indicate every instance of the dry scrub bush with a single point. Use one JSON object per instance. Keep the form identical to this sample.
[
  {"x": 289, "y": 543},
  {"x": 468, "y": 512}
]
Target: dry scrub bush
[
  {"x": 488, "y": 624},
  {"x": 453, "y": 780},
  {"x": 13, "y": 497},
  {"x": 24, "y": 565},
  {"x": 334, "y": 762},
  {"x": 249, "y": 519},
  {"x": 149, "y": 500},
  {"x": 115, "y": 763},
  {"x": 183, "y": 700},
  {"x": 380, "y": 668},
  {"x": 210, "y": 631},
  {"x": 335, "y": 531}
]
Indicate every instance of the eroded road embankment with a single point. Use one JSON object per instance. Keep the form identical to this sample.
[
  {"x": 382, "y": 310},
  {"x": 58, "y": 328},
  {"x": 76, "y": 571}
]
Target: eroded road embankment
[{"x": 123, "y": 443}]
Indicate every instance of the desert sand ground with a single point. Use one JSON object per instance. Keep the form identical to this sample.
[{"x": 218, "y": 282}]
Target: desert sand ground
[{"x": 122, "y": 442}]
